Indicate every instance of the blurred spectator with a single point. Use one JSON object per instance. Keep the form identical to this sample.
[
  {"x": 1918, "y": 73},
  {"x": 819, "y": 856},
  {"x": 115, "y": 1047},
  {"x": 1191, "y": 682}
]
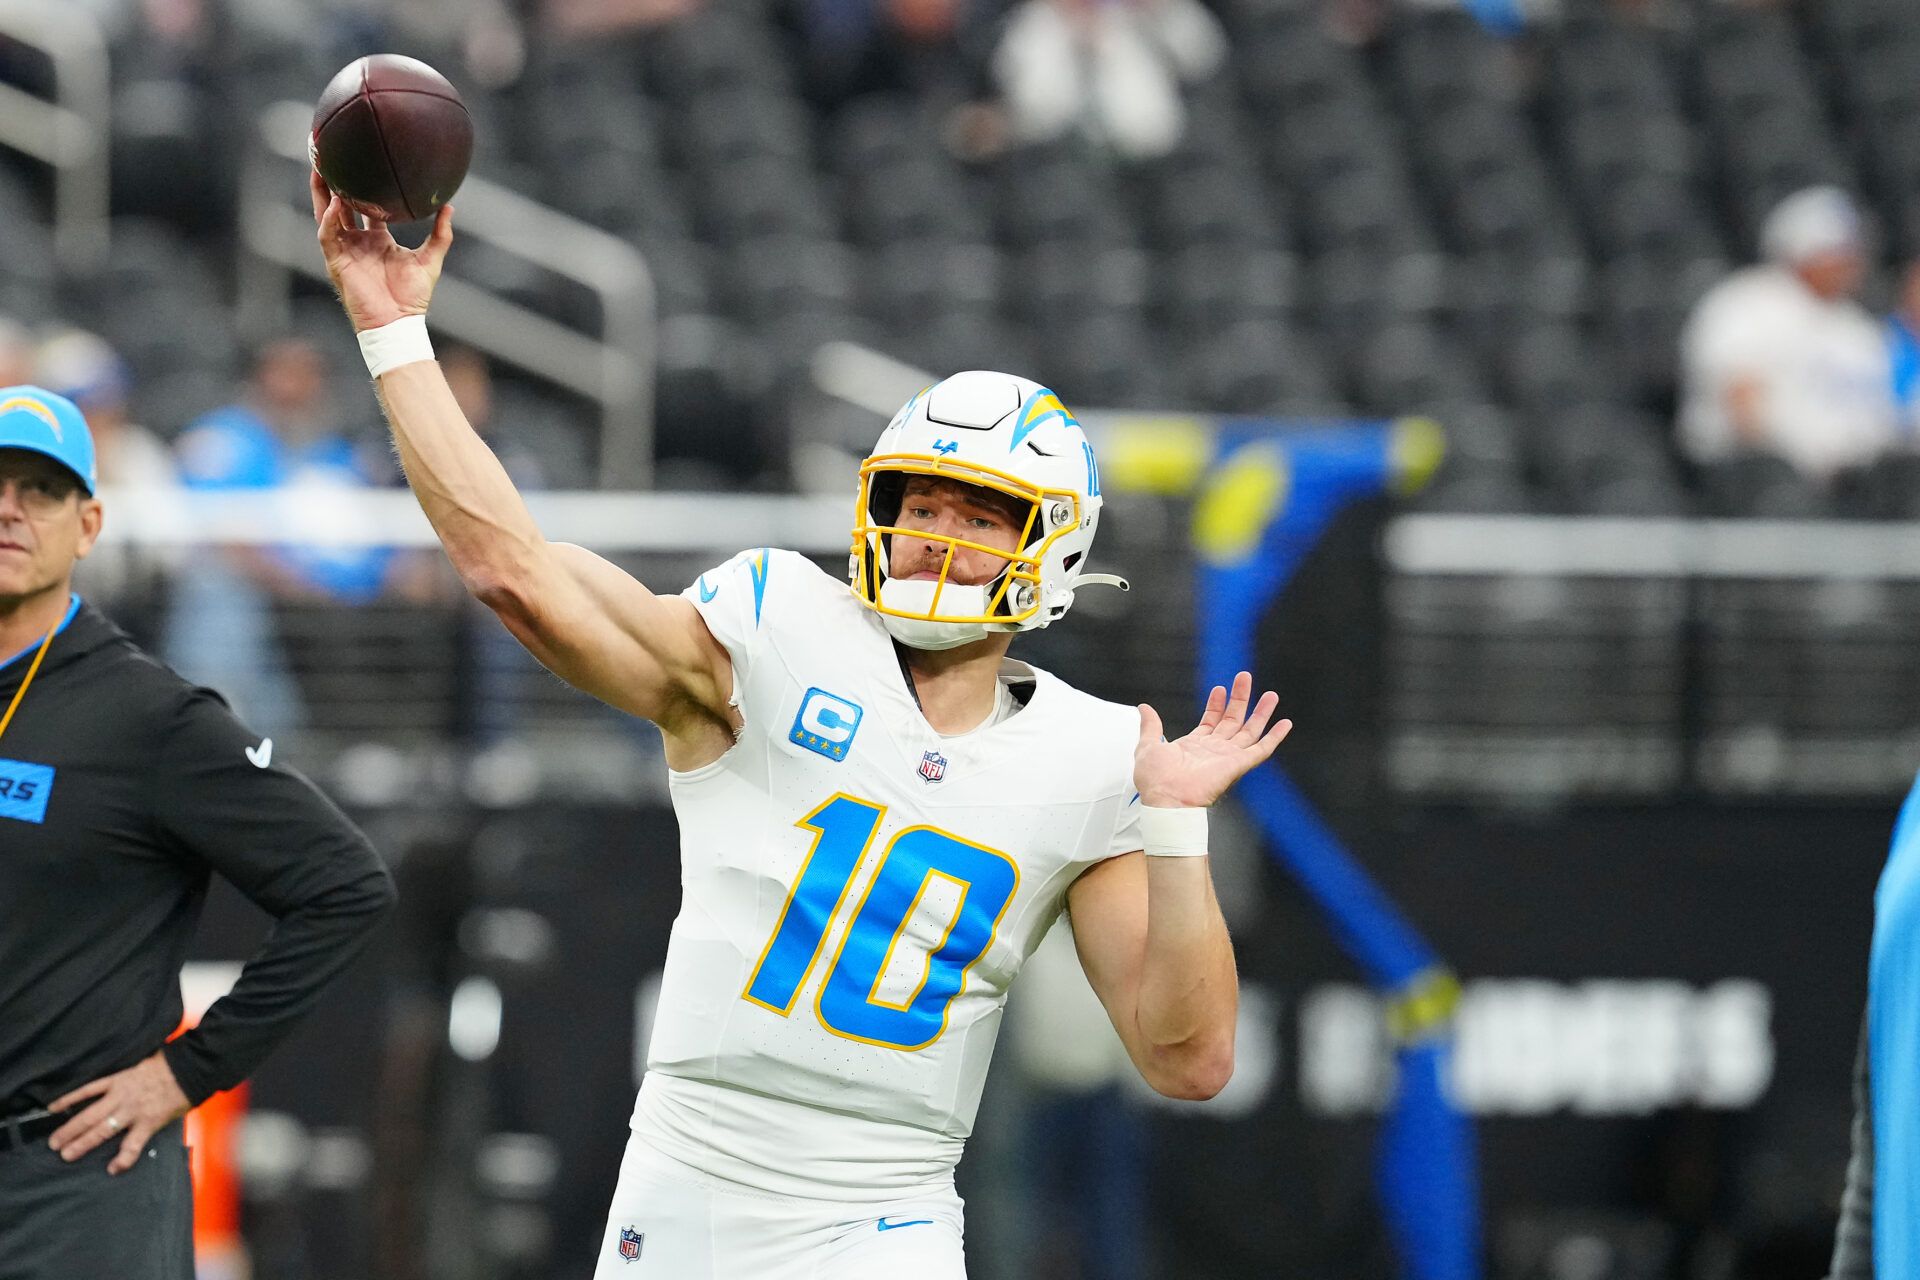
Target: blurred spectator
[
  {"x": 127, "y": 580},
  {"x": 479, "y": 43},
  {"x": 1903, "y": 351},
  {"x": 16, "y": 353},
  {"x": 1111, "y": 70},
  {"x": 600, "y": 17},
  {"x": 283, "y": 435},
  {"x": 1781, "y": 359},
  {"x": 82, "y": 367},
  {"x": 857, "y": 47}
]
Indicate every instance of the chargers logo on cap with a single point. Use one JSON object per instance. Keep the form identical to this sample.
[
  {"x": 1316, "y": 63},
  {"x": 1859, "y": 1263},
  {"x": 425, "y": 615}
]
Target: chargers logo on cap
[{"x": 38, "y": 410}]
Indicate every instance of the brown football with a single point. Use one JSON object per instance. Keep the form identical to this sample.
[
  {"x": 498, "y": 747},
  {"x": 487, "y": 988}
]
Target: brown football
[{"x": 391, "y": 137}]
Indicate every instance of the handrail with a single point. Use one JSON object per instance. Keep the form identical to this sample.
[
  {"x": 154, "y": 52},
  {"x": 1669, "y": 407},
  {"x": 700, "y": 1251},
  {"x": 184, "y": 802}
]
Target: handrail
[
  {"x": 1433, "y": 545},
  {"x": 69, "y": 133},
  {"x": 614, "y": 523},
  {"x": 615, "y": 369}
]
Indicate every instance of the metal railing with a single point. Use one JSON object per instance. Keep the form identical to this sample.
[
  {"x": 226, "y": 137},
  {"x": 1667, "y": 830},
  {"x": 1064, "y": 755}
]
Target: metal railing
[
  {"x": 68, "y": 133},
  {"x": 615, "y": 369},
  {"x": 1536, "y": 659}
]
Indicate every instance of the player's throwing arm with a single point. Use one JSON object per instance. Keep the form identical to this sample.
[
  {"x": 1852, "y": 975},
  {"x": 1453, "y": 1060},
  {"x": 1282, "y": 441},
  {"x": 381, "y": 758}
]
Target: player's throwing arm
[{"x": 585, "y": 619}]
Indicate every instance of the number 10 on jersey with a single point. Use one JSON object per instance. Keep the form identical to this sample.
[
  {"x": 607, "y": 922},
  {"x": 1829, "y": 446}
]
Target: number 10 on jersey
[{"x": 849, "y": 1003}]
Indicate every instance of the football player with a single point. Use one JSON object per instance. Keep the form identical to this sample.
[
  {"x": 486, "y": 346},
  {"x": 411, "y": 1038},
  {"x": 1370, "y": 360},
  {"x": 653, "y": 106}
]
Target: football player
[{"x": 880, "y": 812}]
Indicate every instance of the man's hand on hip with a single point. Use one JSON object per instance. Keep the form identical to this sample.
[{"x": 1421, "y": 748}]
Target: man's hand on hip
[{"x": 131, "y": 1105}]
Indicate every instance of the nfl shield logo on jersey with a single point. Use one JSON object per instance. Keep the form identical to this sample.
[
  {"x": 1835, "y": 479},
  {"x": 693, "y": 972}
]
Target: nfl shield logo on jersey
[
  {"x": 630, "y": 1242},
  {"x": 933, "y": 766}
]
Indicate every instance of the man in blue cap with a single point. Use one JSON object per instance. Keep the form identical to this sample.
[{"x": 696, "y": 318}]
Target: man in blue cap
[
  {"x": 122, "y": 789},
  {"x": 47, "y": 451}
]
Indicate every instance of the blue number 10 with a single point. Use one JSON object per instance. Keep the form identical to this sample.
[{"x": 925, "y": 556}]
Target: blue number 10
[{"x": 849, "y": 1003}]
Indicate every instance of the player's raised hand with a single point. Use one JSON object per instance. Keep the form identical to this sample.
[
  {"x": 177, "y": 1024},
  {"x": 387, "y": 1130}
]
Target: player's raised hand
[
  {"x": 379, "y": 280},
  {"x": 1194, "y": 771}
]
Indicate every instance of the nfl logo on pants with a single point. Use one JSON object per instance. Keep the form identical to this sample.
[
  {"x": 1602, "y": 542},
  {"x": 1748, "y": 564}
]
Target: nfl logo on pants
[{"x": 630, "y": 1242}]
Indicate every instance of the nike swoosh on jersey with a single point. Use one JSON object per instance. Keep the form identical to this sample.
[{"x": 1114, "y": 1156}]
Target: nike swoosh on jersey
[
  {"x": 262, "y": 755},
  {"x": 706, "y": 592},
  {"x": 884, "y": 1225}
]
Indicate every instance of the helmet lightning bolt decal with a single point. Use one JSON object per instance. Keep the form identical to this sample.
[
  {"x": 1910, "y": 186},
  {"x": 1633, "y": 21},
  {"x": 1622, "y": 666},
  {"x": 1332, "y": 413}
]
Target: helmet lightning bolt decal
[{"x": 1041, "y": 406}]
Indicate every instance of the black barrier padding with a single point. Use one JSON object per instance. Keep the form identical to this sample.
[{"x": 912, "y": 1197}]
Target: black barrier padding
[{"x": 1781, "y": 896}]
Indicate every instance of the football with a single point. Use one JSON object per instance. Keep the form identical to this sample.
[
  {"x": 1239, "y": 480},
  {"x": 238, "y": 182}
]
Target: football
[{"x": 391, "y": 138}]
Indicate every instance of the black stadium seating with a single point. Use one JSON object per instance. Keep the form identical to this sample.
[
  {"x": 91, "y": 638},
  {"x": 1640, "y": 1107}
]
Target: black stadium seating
[{"x": 1420, "y": 216}]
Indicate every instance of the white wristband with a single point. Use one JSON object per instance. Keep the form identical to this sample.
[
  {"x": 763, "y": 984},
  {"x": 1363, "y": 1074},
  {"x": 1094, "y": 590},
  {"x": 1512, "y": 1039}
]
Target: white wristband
[
  {"x": 392, "y": 345},
  {"x": 1173, "y": 833}
]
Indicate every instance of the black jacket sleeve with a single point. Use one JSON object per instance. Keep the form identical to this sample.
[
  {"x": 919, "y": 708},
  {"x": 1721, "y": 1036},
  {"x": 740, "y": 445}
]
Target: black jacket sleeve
[
  {"x": 1853, "y": 1238},
  {"x": 219, "y": 795}
]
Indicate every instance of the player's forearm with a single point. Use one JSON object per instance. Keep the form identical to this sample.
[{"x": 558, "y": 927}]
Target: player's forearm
[
  {"x": 1189, "y": 990},
  {"x": 489, "y": 535}
]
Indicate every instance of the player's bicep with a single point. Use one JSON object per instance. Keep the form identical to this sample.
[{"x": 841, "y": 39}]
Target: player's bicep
[
  {"x": 599, "y": 629},
  {"x": 1108, "y": 908}
]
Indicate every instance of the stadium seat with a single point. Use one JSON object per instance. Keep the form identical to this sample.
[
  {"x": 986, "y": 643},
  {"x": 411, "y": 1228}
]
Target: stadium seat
[
  {"x": 911, "y": 197},
  {"x": 911, "y": 282},
  {"x": 1598, "y": 459},
  {"x": 1545, "y": 366},
  {"x": 777, "y": 274},
  {"x": 873, "y": 131},
  {"x": 954, "y": 340},
  {"x": 1214, "y": 205},
  {"x": 762, "y": 196},
  {"x": 1479, "y": 435},
  {"x": 1886, "y": 489},
  {"x": 1758, "y": 485},
  {"x": 724, "y": 129},
  {"x": 1206, "y": 287},
  {"x": 1105, "y": 358},
  {"x": 1254, "y": 365},
  {"x": 1410, "y": 366}
]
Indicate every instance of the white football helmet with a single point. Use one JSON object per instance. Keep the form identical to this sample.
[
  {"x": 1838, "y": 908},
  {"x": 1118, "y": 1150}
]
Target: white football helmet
[{"x": 1001, "y": 433}]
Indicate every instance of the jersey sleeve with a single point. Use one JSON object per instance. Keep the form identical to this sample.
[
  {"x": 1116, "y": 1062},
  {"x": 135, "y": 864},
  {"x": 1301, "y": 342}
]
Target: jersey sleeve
[
  {"x": 1126, "y": 832},
  {"x": 1126, "y": 826},
  {"x": 732, "y": 600}
]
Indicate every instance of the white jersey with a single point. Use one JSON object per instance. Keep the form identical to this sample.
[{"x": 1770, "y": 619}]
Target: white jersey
[{"x": 858, "y": 893}]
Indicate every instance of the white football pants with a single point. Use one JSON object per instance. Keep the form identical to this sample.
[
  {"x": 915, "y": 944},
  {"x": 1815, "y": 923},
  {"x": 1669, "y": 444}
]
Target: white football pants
[{"x": 690, "y": 1226}]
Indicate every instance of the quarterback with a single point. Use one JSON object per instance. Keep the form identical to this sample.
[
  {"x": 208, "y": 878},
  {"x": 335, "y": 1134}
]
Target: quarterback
[{"x": 880, "y": 812}]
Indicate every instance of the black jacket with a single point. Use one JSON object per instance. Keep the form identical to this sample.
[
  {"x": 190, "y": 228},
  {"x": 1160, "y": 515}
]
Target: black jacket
[
  {"x": 122, "y": 789},
  {"x": 1853, "y": 1239}
]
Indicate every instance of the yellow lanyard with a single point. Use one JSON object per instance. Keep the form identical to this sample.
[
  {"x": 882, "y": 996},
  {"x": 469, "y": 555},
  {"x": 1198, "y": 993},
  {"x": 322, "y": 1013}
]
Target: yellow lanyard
[{"x": 14, "y": 706}]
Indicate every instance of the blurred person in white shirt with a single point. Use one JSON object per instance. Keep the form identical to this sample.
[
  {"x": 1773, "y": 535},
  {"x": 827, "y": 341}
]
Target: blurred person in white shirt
[
  {"x": 1111, "y": 69},
  {"x": 1781, "y": 358},
  {"x": 86, "y": 370}
]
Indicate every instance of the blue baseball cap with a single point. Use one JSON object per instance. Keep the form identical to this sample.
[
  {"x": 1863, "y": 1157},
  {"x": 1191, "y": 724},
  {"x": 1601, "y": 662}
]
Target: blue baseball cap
[{"x": 31, "y": 418}]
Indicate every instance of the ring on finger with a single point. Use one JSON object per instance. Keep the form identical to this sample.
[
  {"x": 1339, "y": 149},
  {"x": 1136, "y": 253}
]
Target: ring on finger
[{"x": 113, "y": 1124}]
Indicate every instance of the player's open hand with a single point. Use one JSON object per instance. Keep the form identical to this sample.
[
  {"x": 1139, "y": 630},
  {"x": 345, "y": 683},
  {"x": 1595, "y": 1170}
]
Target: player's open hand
[
  {"x": 130, "y": 1106},
  {"x": 379, "y": 280},
  {"x": 1194, "y": 771}
]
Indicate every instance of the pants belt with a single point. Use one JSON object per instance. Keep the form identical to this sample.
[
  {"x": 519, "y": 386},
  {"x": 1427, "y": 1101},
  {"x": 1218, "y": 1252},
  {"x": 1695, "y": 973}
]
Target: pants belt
[{"x": 29, "y": 1126}]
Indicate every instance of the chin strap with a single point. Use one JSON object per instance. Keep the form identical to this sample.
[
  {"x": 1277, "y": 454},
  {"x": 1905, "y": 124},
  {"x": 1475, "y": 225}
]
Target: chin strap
[{"x": 1102, "y": 580}]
